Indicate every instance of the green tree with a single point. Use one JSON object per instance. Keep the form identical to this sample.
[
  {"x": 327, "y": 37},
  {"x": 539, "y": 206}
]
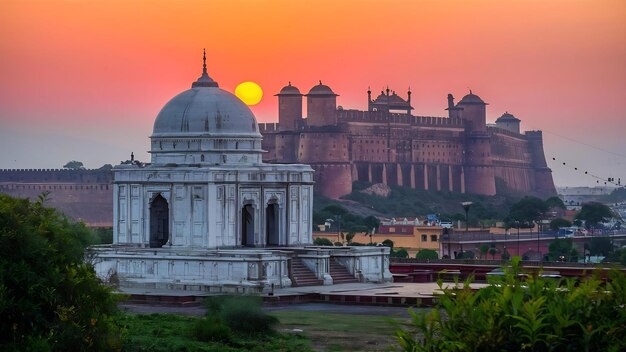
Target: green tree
[
  {"x": 557, "y": 223},
  {"x": 618, "y": 256},
  {"x": 593, "y": 213},
  {"x": 505, "y": 254},
  {"x": 50, "y": 299},
  {"x": 426, "y": 253},
  {"x": 600, "y": 246},
  {"x": 562, "y": 248},
  {"x": 483, "y": 251},
  {"x": 466, "y": 255},
  {"x": 74, "y": 165},
  {"x": 106, "y": 167},
  {"x": 349, "y": 237},
  {"x": 555, "y": 202},
  {"x": 493, "y": 251},
  {"x": 528, "y": 210},
  {"x": 321, "y": 241}
]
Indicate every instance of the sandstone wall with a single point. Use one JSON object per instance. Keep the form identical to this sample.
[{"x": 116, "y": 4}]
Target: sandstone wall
[{"x": 85, "y": 195}]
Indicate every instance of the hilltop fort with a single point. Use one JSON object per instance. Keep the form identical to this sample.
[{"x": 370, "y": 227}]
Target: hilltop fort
[{"x": 388, "y": 144}]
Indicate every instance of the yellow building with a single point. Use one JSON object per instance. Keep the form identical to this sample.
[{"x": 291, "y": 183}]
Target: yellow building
[{"x": 411, "y": 237}]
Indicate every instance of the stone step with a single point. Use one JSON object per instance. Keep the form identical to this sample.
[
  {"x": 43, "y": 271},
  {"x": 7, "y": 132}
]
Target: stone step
[
  {"x": 340, "y": 274},
  {"x": 301, "y": 275}
]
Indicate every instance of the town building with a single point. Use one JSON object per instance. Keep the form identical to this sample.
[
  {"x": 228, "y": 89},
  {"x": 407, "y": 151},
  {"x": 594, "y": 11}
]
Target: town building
[
  {"x": 388, "y": 144},
  {"x": 411, "y": 234}
]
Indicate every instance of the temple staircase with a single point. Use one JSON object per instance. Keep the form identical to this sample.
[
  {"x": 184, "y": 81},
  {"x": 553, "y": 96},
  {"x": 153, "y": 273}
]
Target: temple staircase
[
  {"x": 301, "y": 275},
  {"x": 340, "y": 274}
]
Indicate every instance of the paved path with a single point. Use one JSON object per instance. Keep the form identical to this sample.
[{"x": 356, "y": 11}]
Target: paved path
[{"x": 413, "y": 290}]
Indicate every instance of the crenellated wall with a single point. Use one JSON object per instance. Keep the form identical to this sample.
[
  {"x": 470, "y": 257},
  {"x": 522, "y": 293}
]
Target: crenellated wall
[
  {"x": 55, "y": 175},
  {"x": 459, "y": 153},
  {"x": 80, "y": 194}
]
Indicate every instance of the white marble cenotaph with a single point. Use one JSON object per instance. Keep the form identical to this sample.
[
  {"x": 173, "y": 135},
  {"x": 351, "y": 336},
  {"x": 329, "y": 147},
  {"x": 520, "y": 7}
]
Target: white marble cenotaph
[{"x": 208, "y": 215}]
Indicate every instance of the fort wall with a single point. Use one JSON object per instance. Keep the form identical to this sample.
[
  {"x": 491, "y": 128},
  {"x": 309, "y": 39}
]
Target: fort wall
[{"x": 85, "y": 195}]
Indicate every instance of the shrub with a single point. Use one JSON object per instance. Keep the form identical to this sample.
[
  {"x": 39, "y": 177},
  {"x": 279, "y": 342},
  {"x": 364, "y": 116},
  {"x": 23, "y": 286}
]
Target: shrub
[
  {"x": 211, "y": 329},
  {"x": 242, "y": 314},
  {"x": 400, "y": 253},
  {"x": 426, "y": 253},
  {"x": 534, "y": 315},
  {"x": 321, "y": 241}
]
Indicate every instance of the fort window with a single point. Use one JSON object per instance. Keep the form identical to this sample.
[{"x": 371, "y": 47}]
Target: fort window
[
  {"x": 424, "y": 238},
  {"x": 433, "y": 238}
]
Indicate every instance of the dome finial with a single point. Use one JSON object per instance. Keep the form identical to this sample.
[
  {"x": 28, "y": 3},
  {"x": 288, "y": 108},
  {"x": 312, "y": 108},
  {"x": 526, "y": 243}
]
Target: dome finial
[
  {"x": 204, "y": 62},
  {"x": 204, "y": 80}
]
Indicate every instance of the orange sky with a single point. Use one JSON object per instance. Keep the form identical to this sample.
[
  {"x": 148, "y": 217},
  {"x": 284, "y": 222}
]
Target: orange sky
[{"x": 84, "y": 79}]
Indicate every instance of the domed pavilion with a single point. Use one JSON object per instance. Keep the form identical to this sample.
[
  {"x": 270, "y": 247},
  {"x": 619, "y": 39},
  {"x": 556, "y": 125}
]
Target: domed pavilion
[{"x": 206, "y": 213}]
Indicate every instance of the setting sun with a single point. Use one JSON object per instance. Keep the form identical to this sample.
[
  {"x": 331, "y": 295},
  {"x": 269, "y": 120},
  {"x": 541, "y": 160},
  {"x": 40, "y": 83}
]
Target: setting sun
[{"x": 249, "y": 92}]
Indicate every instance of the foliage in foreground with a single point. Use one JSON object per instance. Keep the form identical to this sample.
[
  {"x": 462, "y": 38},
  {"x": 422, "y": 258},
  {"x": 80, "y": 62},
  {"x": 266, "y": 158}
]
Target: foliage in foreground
[
  {"x": 50, "y": 299},
  {"x": 532, "y": 315},
  {"x": 170, "y": 332}
]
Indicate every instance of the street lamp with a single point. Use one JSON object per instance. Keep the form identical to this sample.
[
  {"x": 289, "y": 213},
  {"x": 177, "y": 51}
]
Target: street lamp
[{"x": 466, "y": 207}]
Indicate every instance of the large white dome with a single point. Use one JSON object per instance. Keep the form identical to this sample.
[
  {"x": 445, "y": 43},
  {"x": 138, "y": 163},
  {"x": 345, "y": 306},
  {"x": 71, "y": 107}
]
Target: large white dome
[
  {"x": 205, "y": 125},
  {"x": 208, "y": 111}
]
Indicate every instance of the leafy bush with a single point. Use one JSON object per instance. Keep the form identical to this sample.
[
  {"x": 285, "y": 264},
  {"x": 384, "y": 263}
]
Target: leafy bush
[
  {"x": 532, "y": 315},
  {"x": 426, "y": 253},
  {"x": 562, "y": 247},
  {"x": 388, "y": 243},
  {"x": 50, "y": 299},
  {"x": 211, "y": 329},
  {"x": 242, "y": 314},
  {"x": 321, "y": 241},
  {"x": 400, "y": 253}
]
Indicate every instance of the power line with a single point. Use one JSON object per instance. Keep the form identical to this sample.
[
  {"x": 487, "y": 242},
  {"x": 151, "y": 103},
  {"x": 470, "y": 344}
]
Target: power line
[
  {"x": 608, "y": 180},
  {"x": 587, "y": 144}
]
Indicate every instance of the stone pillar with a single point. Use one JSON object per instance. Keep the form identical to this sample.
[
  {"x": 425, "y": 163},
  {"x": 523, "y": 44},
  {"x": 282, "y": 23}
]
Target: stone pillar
[
  {"x": 462, "y": 179},
  {"x": 438, "y": 178},
  {"x": 385, "y": 173},
  {"x": 450, "y": 181},
  {"x": 426, "y": 177},
  {"x": 400, "y": 177},
  {"x": 413, "y": 176}
]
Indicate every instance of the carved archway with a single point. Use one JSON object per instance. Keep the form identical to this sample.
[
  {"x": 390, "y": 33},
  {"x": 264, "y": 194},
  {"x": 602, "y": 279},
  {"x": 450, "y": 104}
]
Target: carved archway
[
  {"x": 247, "y": 225},
  {"x": 272, "y": 225},
  {"x": 159, "y": 222}
]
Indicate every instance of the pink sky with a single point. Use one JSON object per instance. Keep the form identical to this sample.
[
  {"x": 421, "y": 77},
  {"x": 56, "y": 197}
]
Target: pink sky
[{"x": 84, "y": 80}]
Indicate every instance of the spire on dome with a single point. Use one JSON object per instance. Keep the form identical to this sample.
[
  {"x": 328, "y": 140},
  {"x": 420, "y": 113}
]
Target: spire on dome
[
  {"x": 204, "y": 80},
  {"x": 204, "y": 61}
]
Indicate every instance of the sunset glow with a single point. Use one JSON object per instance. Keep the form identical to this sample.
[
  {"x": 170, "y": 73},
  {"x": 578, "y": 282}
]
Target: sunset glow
[{"x": 89, "y": 77}]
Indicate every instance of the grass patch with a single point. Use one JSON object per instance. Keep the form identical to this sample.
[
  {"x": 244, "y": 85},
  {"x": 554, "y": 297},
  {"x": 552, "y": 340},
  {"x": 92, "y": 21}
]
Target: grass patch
[
  {"x": 342, "y": 332},
  {"x": 170, "y": 332}
]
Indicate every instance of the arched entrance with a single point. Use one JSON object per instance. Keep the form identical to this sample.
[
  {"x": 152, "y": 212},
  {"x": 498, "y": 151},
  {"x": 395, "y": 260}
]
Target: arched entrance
[
  {"x": 159, "y": 222},
  {"x": 247, "y": 226},
  {"x": 271, "y": 225}
]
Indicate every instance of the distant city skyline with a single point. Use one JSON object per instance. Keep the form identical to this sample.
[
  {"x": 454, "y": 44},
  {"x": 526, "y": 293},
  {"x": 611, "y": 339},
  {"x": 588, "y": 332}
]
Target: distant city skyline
[{"x": 85, "y": 80}]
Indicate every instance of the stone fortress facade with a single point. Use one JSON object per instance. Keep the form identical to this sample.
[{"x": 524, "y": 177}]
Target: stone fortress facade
[
  {"x": 85, "y": 195},
  {"x": 388, "y": 144}
]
